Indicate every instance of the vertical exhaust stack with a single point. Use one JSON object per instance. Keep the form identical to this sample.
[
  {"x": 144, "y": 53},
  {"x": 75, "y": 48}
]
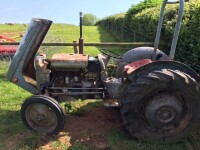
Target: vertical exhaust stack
[{"x": 81, "y": 41}]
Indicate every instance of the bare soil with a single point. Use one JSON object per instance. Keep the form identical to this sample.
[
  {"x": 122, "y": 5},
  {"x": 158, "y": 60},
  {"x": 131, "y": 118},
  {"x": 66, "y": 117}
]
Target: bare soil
[{"x": 90, "y": 128}]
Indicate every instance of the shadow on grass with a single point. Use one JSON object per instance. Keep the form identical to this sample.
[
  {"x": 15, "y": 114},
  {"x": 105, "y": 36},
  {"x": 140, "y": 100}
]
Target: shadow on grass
[
  {"x": 3, "y": 77},
  {"x": 12, "y": 130},
  {"x": 106, "y": 36},
  {"x": 9, "y": 122}
]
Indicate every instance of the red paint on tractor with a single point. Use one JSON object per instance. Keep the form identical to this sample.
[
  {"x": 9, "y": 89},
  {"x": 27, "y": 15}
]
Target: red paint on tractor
[{"x": 135, "y": 65}]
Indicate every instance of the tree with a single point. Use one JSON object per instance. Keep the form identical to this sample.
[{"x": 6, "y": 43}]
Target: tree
[{"x": 89, "y": 19}]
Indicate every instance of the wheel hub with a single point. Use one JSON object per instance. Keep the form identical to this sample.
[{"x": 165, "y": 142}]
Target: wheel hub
[
  {"x": 40, "y": 117},
  {"x": 165, "y": 114},
  {"x": 163, "y": 110}
]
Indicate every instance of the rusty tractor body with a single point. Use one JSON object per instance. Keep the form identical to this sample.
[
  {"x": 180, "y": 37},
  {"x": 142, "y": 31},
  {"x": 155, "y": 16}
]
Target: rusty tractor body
[{"x": 158, "y": 97}]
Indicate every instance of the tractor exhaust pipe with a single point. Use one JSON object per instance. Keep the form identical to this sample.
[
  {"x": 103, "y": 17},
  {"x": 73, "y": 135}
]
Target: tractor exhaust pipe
[{"x": 81, "y": 41}]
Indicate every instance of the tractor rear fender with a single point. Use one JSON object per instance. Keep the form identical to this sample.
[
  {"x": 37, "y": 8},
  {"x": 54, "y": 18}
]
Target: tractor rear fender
[
  {"x": 136, "y": 54},
  {"x": 142, "y": 53},
  {"x": 164, "y": 64},
  {"x": 22, "y": 70}
]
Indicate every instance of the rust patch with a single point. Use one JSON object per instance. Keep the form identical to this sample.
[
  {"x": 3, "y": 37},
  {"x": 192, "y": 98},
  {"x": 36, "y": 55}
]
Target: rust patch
[
  {"x": 14, "y": 80},
  {"x": 69, "y": 60},
  {"x": 68, "y": 57}
]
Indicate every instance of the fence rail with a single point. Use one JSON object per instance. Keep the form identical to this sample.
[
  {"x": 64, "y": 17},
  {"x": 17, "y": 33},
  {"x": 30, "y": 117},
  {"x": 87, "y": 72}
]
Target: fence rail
[
  {"x": 90, "y": 44},
  {"x": 194, "y": 64}
]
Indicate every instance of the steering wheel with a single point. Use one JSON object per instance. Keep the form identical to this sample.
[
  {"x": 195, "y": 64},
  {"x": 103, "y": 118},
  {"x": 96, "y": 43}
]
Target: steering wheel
[{"x": 110, "y": 53}]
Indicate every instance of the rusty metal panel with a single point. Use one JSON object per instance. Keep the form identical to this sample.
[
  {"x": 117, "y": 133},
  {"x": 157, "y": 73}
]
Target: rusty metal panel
[
  {"x": 135, "y": 65},
  {"x": 71, "y": 61}
]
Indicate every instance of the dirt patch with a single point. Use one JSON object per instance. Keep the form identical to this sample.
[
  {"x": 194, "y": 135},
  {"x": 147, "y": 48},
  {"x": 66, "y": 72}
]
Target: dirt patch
[
  {"x": 93, "y": 126},
  {"x": 90, "y": 128}
]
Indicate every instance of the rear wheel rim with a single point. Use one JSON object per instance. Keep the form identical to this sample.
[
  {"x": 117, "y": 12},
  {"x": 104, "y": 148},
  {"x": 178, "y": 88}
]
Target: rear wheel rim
[
  {"x": 163, "y": 109},
  {"x": 169, "y": 118}
]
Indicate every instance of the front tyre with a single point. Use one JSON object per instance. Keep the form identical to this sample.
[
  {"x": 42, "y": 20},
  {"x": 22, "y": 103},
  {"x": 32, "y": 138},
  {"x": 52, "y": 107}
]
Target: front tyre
[
  {"x": 42, "y": 114},
  {"x": 161, "y": 106}
]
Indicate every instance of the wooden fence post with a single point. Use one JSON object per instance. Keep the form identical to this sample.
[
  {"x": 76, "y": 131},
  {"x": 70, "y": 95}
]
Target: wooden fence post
[{"x": 75, "y": 47}]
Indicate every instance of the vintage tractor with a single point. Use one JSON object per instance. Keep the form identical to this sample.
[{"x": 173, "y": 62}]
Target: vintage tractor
[{"x": 159, "y": 98}]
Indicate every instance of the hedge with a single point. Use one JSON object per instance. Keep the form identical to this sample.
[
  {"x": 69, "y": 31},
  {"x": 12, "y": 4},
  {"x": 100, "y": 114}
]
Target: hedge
[{"x": 144, "y": 23}]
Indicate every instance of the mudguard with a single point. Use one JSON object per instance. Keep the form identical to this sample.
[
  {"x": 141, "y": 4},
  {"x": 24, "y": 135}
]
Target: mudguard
[
  {"x": 143, "y": 53},
  {"x": 136, "y": 54},
  {"x": 22, "y": 69}
]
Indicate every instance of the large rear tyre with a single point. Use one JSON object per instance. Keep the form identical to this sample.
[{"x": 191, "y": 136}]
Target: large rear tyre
[
  {"x": 42, "y": 114},
  {"x": 161, "y": 106}
]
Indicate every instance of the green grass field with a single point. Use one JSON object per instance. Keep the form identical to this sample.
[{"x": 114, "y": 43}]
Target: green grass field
[{"x": 13, "y": 134}]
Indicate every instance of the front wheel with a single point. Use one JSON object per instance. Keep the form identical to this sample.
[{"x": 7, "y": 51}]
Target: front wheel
[
  {"x": 42, "y": 114},
  {"x": 161, "y": 106}
]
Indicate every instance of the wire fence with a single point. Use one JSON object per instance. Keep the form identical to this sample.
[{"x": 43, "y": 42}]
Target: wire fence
[
  {"x": 190, "y": 59},
  {"x": 125, "y": 34}
]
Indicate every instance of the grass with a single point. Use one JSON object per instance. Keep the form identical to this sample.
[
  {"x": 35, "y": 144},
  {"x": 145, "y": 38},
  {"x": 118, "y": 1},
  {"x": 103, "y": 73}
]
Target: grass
[
  {"x": 70, "y": 33},
  {"x": 66, "y": 33},
  {"x": 120, "y": 140},
  {"x": 13, "y": 134}
]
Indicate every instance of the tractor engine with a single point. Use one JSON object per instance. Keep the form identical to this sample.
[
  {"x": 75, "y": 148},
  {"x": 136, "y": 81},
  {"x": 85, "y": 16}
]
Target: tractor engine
[{"x": 69, "y": 75}]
